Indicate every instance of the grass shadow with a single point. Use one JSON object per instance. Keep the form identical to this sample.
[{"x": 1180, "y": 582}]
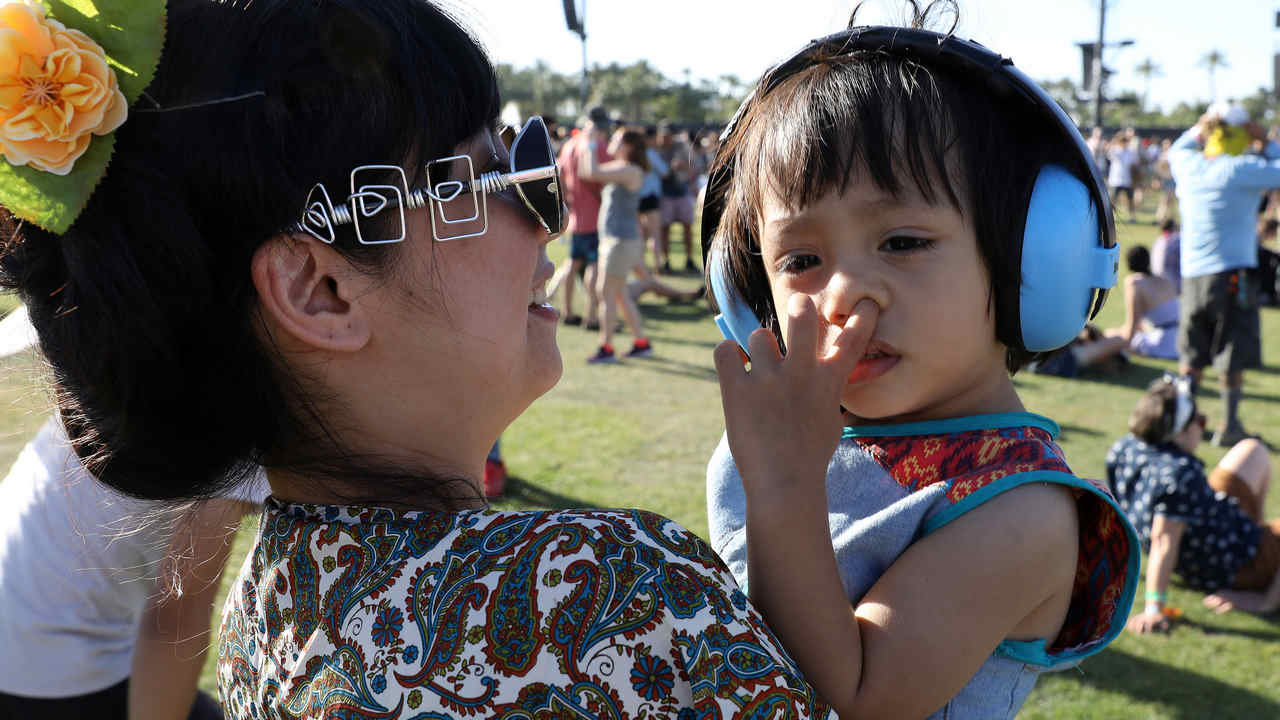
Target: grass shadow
[
  {"x": 526, "y": 494},
  {"x": 1264, "y": 635},
  {"x": 677, "y": 367},
  {"x": 674, "y": 340},
  {"x": 1068, "y": 429},
  {"x": 1137, "y": 376},
  {"x": 674, "y": 311},
  {"x": 1181, "y": 693}
]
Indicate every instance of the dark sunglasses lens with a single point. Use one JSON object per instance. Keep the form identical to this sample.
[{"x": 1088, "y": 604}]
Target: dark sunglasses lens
[{"x": 532, "y": 149}]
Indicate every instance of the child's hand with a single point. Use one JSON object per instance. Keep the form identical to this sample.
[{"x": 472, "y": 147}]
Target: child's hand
[{"x": 783, "y": 418}]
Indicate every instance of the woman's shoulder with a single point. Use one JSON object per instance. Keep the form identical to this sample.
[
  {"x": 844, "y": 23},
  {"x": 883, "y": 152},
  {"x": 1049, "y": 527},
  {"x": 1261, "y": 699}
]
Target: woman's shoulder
[{"x": 522, "y": 609}]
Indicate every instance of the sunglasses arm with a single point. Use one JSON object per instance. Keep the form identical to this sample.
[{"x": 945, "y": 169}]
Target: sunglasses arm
[{"x": 498, "y": 181}]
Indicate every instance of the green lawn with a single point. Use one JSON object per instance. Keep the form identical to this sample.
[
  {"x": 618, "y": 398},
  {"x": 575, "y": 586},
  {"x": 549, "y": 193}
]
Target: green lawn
[{"x": 639, "y": 434}]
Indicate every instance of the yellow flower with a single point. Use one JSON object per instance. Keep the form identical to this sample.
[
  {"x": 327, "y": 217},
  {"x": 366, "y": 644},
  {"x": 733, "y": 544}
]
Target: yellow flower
[{"x": 56, "y": 90}]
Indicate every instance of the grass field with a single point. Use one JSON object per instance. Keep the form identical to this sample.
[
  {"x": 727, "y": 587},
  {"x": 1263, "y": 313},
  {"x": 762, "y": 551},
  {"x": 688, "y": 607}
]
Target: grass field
[{"x": 639, "y": 434}]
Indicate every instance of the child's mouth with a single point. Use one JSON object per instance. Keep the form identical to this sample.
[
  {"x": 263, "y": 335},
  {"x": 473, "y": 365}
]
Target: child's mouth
[{"x": 878, "y": 359}]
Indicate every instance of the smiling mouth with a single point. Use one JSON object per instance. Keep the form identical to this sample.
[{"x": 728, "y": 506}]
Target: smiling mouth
[{"x": 538, "y": 297}]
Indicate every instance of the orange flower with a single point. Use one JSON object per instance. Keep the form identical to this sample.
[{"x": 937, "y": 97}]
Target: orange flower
[{"x": 56, "y": 90}]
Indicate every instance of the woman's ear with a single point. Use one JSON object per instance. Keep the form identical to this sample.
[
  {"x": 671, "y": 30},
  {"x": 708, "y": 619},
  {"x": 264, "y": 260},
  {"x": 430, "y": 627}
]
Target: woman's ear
[{"x": 306, "y": 289}]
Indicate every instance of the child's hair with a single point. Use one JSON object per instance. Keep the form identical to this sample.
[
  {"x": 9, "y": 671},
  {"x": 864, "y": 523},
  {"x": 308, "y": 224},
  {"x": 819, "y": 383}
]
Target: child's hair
[
  {"x": 1138, "y": 259},
  {"x": 166, "y": 382},
  {"x": 1168, "y": 226},
  {"x": 1154, "y": 416},
  {"x": 905, "y": 123}
]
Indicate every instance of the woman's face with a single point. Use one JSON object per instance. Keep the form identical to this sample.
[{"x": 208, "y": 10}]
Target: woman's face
[{"x": 467, "y": 339}]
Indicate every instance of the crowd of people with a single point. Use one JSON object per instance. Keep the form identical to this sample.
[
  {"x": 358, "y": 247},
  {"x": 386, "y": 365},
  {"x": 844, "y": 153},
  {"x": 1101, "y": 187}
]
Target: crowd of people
[
  {"x": 627, "y": 188},
  {"x": 344, "y": 362},
  {"x": 1134, "y": 165}
]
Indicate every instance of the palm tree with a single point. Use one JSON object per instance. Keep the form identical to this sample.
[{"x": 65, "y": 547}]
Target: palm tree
[
  {"x": 1147, "y": 69},
  {"x": 1213, "y": 60}
]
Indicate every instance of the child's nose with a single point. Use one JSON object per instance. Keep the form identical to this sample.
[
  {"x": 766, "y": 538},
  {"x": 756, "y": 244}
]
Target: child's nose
[{"x": 845, "y": 290}]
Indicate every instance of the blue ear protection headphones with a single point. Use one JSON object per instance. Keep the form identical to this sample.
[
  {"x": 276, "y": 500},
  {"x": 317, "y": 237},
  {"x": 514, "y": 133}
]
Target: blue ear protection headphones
[{"x": 1069, "y": 252}]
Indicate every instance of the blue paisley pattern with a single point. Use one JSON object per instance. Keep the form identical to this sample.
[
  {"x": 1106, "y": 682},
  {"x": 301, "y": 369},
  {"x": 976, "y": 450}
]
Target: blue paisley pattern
[{"x": 349, "y": 612}]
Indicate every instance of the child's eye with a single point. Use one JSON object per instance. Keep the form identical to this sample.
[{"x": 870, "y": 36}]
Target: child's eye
[
  {"x": 906, "y": 244},
  {"x": 795, "y": 264}
]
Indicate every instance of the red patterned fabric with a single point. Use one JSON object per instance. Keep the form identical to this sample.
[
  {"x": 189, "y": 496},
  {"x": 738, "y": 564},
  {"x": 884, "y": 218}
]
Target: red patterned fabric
[{"x": 971, "y": 460}]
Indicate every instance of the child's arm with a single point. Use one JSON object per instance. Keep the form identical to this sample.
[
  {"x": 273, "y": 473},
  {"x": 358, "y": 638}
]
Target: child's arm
[{"x": 941, "y": 609}]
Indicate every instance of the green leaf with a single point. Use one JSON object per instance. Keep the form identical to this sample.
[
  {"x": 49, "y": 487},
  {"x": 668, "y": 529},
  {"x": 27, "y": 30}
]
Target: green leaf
[
  {"x": 132, "y": 34},
  {"x": 130, "y": 31},
  {"x": 54, "y": 201}
]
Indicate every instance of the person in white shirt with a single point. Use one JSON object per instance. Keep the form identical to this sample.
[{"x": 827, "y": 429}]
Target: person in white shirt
[
  {"x": 1123, "y": 162},
  {"x": 105, "y": 600}
]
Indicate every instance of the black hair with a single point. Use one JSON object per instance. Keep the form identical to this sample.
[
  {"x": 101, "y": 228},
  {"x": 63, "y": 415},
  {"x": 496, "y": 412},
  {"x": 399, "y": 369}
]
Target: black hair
[
  {"x": 145, "y": 308},
  {"x": 1169, "y": 225},
  {"x": 901, "y": 121},
  {"x": 1138, "y": 259}
]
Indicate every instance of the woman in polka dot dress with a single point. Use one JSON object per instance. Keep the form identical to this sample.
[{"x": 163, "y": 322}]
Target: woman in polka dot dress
[{"x": 1209, "y": 529}]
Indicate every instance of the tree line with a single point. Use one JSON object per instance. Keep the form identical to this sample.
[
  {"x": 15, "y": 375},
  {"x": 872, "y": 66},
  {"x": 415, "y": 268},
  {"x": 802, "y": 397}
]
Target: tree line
[{"x": 639, "y": 93}]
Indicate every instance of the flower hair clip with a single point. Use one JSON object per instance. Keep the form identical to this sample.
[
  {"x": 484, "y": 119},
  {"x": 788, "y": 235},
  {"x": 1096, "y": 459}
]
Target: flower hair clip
[{"x": 69, "y": 69}]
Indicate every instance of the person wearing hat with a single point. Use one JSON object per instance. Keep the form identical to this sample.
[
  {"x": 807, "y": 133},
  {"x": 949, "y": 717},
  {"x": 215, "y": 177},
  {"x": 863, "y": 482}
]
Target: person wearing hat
[
  {"x": 1208, "y": 528},
  {"x": 583, "y": 198},
  {"x": 1219, "y": 182}
]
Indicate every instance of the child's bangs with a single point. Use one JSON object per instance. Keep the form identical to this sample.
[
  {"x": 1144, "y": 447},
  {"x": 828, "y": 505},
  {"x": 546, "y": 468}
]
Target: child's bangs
[{"x": 865, "y": 112}]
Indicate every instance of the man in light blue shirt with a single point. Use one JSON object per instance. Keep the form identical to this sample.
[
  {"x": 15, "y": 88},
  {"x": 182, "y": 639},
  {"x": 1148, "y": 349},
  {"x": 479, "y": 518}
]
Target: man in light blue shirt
[{"x": 1220, "y": 181}]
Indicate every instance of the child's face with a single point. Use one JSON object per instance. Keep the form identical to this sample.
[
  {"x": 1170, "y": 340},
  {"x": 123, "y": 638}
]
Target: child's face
[{"x": 934, "y": 352}]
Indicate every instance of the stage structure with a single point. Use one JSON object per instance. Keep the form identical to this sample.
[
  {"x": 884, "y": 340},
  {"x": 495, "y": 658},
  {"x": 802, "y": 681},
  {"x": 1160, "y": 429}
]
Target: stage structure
[{"x": 575, "y": 16}]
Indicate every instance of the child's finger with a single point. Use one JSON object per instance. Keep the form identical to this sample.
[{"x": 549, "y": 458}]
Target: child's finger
[
  {"x": 763, "y": 348},
  {"x": 729, "y": 367},
  {"x": 851, "y": 343},
  {"x": 802, "y": 328}
]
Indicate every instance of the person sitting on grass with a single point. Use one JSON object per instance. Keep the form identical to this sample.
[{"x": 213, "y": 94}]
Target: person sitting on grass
[
  {"x": 1150, "y": 309},
  {"x": 1210, "y": 530}
]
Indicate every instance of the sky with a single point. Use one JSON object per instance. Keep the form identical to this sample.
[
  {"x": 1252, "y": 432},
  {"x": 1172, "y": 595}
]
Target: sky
[{"x": 743, "y": 37}]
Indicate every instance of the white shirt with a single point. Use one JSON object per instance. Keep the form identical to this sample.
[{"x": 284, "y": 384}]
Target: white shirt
[
  {"x": 1120, "y": 172},
  {"x": 78, "y": 563}
]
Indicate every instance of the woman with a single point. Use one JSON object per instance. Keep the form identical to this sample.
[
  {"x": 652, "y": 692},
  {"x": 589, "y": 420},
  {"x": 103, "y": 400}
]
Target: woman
[
  {"x": 621, "y": 241},
  {"x": 1150, "y": 309},
  {"x": 1209, "y": 529},
  {"x": 252, "y": 282}
]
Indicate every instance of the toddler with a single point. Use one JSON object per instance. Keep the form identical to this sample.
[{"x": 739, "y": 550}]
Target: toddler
[{"x": 912, "y": 220}]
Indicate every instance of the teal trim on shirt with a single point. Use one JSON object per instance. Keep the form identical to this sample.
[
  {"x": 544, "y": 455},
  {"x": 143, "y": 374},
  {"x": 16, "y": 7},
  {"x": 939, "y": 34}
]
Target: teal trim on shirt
[
  {"x": 1033, "y": 652},
  {"x": 946, "y": 426}
]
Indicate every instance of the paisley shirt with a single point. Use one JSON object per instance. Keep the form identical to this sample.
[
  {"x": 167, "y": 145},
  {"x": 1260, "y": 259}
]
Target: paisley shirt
[{"x": 359, "y": 612}]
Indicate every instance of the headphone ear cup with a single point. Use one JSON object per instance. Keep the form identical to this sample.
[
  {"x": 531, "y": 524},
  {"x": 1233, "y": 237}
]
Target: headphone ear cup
[
  {"x": 1062, "y": 263},
  {"x": 736, "y": 320}
]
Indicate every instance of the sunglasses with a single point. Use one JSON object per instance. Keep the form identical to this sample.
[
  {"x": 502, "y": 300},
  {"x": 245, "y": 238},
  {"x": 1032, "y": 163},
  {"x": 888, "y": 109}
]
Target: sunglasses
[{"x": 375, "y": 188}]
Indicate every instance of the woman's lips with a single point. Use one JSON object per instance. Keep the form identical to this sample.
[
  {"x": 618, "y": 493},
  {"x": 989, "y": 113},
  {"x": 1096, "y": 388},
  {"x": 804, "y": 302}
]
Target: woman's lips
[{"x": 544, "y": 311}]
